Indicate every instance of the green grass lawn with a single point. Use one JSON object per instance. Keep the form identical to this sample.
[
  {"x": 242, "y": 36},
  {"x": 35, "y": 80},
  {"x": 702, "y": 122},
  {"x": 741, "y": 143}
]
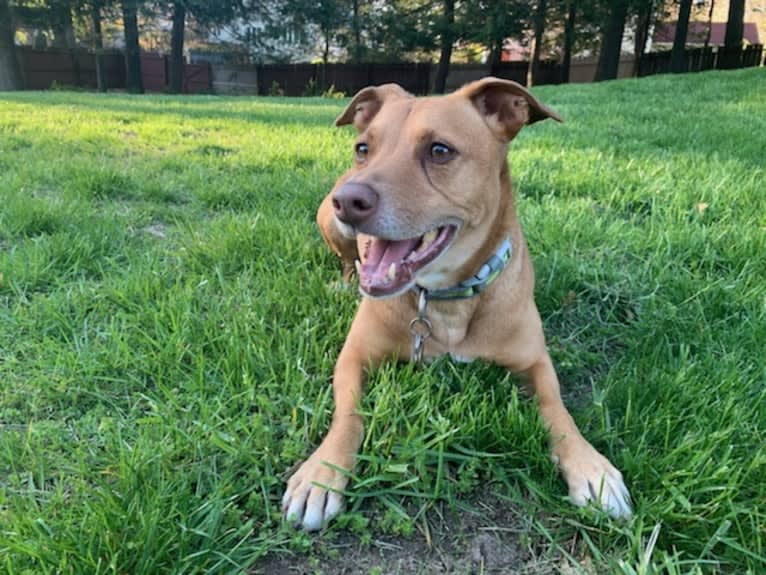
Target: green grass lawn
[{"x": 169, "y": 322}]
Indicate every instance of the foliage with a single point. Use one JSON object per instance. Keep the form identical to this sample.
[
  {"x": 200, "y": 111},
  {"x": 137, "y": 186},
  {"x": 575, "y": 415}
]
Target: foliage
[{"x": 333, "y": 94}]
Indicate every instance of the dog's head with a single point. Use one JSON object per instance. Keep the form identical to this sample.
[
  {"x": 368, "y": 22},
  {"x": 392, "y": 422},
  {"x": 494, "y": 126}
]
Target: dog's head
[{"x": 429, "y": 178}]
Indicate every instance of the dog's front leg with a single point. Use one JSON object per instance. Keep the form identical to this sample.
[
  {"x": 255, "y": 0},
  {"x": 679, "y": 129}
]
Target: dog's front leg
[
  {"x": 312, "y": 496},
  {"x": 589, "y": 475}
]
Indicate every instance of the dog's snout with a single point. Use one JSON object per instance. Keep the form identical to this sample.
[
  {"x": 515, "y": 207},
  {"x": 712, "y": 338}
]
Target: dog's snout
[{"x": 354, "y": 203}]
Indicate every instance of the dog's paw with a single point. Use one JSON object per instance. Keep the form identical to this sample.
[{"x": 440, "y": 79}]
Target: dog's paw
[
  {"x": 311, "y": 498},
  {"x": 592, "y": 479}
]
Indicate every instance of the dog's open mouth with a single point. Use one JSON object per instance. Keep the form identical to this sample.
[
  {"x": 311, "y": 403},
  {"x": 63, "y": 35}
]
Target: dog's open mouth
[{"x": 390, "y": 265}]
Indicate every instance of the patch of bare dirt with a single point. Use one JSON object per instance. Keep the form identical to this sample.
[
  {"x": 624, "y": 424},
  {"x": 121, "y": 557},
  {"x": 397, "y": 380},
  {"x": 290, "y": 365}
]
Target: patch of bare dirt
[
  {"x": 491, "y": 537},
  {"x": 157, "y": 230}
]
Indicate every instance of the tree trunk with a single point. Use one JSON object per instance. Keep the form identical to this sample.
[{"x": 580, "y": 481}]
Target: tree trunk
[
  {"x": 447, "y": 39},
  {"x": 98, "y": 45},
  {"x": 133, "y": 80},
  {"x": 569, "y": 36},
  {"x": 496, "y": 53},
  {"x": 496, "y": 49},
  {"x": 539, "y": 29},
  {"x": 10, "y": 71},
  {"x": 735, "y": 24},
  {"x": 356, "y": 55},
  {"x": 177, "y": 48},
  {"x": 677, "y": 56},
  {"x": 326, "y": 51},
  {"x": 70, "y": 42},
  {"x": 495, "y": 42},
  {"x": 611, "y": 43},
  {"x": 95, "y": 17},
  {"x": 68, "y": 26},
  {"x": 643, "y": 24},
  {"x": 709, "y": 23}
]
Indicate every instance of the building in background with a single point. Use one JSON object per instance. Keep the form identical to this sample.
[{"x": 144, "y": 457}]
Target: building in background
[{"x": 706, "y": 28}]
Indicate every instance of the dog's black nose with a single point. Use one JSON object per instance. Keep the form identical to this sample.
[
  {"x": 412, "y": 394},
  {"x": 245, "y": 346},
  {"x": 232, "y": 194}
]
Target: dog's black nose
[{"x": 354, "y": 203}]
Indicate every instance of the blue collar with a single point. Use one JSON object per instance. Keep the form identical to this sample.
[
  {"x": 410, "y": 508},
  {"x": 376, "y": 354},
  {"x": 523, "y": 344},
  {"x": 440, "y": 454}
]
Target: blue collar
[{"x": 477, "y": 283}]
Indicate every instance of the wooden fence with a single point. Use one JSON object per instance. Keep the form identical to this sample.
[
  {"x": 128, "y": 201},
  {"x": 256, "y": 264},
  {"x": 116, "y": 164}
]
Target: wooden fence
[
  {"x": 315, "y": 79},
  {"x": 700, "y": 59},
  {"x": 155, "y": 69},
  {"x": 45, "y": 68},
  {"x": 42, "y": 69}
]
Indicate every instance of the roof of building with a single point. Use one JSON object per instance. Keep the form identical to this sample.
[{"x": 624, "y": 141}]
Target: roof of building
[{"x": 666, "y": 32}]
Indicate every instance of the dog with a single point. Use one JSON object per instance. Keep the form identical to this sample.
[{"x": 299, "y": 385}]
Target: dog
[{"x": 427, "y": 217}]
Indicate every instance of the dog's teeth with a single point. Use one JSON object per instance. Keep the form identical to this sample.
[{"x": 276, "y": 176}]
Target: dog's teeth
[
  {"x": 428, "y": 239},
  {"x": 358, "y": 266},
  {"x": 392, "y": 272}
]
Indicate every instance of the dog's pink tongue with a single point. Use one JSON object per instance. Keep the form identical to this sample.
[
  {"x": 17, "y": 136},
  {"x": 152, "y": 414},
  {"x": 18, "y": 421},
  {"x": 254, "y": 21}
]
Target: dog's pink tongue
[
  {"x": 381, "y": 255},
  {"x": 387, "y": 252}
]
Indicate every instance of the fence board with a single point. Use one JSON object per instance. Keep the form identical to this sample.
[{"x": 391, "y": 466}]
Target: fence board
[
  {"x": 197, "y": 78},
  {"x": 288, "y": 79},
  {"x": 154, "y": 72},
  {"x": 516, "y": 71},
  {"x": 414, "y": 78},
  {"x": 234, "y": 79},
  {"x": 43, "y": 68},
  {"x": 348, "y": 78}
]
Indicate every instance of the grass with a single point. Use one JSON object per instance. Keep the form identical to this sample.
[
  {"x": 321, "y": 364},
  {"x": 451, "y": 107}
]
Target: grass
[{"x": 170, "y": 325}]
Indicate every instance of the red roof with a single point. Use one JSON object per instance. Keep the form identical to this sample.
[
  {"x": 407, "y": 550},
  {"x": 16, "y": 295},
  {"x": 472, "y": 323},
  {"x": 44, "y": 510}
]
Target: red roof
[{"x": 666, "y": 32}]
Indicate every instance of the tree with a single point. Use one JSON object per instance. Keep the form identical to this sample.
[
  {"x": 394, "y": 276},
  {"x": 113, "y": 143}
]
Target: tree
[
  {"x": 10, "y": 72},
  {"x": 356, "y": 27},
  {"x": 447, "y": 40},
  {"x": 61, "y": 12},
  {"x": 490, "y": 22},
  {"x": 58, "y": 17},
  {"x": 709, "y": 23},
  {"x": 539, "y": 27},
  {"x": 404, "y": 29},
  {"x": 329, "y": 17},
  {"x": 643, "y": 27},
  {"x": 735, "y": 24},
  {"x": 206, "y": 14},
  {"x": 97, "y": 37},
  {"x": 133, "y": 80},
  {"x": 611, "y": 42},
  {"x": 677, "y": 57},
  {"x": 177, "y": 48},
  {"x": 579, "y": 23},
  {"x": 569, "y": 32}
]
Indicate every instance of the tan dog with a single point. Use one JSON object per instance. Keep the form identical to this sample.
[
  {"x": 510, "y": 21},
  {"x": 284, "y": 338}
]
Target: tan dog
[{"x": 428, "y": 206}]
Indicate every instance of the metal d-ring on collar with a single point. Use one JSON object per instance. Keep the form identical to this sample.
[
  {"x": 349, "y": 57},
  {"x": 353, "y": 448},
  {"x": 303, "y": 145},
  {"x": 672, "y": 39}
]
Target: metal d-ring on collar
[{"x": 420, "y": 326}]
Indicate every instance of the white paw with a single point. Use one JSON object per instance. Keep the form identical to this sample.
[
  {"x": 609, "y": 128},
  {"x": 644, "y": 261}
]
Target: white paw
[
  {"x": 311, "y": 497},
  {"x": 593, "y": 479}
]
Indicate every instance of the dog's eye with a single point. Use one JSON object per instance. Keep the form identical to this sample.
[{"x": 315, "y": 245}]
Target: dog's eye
[
  {"x": 441, "y": 153},
  {"x": 361, "y": 150}
]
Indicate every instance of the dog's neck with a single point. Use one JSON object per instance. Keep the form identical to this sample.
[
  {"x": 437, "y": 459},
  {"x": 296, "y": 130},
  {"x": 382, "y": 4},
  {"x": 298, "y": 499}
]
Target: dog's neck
[{"x": 503, "y": 226}]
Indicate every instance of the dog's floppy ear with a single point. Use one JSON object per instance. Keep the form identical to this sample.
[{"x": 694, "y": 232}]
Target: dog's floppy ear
[
  {"x": 506, "y": 106},
  {"x": 368, "y": 102}
]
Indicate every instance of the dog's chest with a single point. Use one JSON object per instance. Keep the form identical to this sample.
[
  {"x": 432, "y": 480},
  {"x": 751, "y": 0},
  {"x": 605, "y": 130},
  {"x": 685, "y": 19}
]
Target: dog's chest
[
  {"x": 450, "y": 335},
  {"x": 461, "y": 358}
]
